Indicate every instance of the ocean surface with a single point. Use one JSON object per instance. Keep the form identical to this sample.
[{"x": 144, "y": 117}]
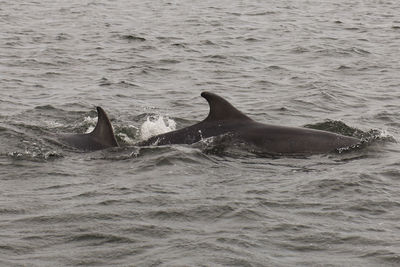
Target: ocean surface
[{"x": 328, "y": 64}]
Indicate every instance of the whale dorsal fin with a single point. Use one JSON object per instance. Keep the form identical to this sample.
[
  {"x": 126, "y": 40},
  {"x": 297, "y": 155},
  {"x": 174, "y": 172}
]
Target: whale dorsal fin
[
  {"x": 103, "y": 132},
  {"x": 222, "y": 110}
]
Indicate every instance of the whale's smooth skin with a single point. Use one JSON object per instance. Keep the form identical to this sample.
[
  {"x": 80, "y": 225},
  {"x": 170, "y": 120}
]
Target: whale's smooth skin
[
  {"x": 101, "y": 137},
  {"x": 223, "y": 118}
]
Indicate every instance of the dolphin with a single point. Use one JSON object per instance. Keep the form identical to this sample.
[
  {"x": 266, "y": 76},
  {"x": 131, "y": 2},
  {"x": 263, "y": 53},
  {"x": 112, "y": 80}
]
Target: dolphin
[
  {"x": 100, "y": 138},
  {"x": 223, "y": 118}
]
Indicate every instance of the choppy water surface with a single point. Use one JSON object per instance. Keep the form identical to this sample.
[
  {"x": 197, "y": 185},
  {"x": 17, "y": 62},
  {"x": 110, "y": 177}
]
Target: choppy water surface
[{"x": 281, "y": 62}]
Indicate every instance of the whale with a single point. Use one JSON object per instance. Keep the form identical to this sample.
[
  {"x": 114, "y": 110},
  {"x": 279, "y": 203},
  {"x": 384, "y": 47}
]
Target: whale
[
  {"x": 101, "y": 137},
  {"x": 225, "y": 119}
]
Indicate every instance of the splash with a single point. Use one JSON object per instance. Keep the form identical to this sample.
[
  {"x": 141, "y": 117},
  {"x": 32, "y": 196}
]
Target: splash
[
  {"x": 91, "y": 122},
  {"x": 156, "y": 125}
]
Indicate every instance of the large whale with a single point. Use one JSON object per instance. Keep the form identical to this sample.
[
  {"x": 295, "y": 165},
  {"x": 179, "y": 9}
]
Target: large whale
[
  {"x": 223, "y": 118},
  {"x": 100, "y": 138}
]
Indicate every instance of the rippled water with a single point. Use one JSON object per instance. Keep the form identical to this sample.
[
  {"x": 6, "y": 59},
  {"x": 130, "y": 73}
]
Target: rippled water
[{"x": 280, "y": 62}]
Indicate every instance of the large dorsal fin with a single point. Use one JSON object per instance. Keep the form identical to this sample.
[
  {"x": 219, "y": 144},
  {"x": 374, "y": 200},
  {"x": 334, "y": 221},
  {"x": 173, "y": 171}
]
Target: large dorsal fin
[
  {"x": 222, "y": 110},
  {"x": 103, "y": 132}
]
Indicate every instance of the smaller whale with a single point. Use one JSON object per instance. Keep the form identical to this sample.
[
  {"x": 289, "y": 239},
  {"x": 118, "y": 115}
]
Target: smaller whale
[
  {"x": 224, "y": 118},
  {"x": 100, "y": 138}
]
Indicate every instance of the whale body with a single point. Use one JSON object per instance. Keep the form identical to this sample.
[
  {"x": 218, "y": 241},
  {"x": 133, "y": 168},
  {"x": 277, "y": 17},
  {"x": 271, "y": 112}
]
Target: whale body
[
  {"x": 101, "y": 137},
  {"x": 224, "y": 118}
]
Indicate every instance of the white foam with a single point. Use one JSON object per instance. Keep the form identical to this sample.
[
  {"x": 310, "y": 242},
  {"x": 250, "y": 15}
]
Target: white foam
[
  {"x": 156, "y": 125},
  {"x": 92, "y": 122},
  {"x": 384, "y": 133}
]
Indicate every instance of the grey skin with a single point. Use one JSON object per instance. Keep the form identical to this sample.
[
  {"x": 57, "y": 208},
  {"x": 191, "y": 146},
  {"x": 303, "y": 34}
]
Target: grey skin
[
  {"x": 100, "y": 138},
  {"x": 223, "y": 118}
]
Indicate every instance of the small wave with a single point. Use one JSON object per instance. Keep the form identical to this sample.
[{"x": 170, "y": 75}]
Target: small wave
[
  {"x": 175, "y": 155},
  {"x": 217, "y": 56},
  {"x": 208, "y": 42},
  {"x": 196, "y": 213},
  {"x": 100, "y": 238},
  {"x": 384, "y": 256},
  {"x": 343, "y": 51},
  {"x": 262, "y": 13},
  {"x": 169, "y": 61},
  {"x": 300, "y": 50},
  {"x": 127, "y": 84},
  {"x": 275, "y": 67},
  {"x": 32, "y": 149},
  {"x": 150, "y": 230},
  {"x": 35, "y": 155},
  {"x": 8, "y": 211},
  {"x": 344, "y": 67},
  {"x": 131, "y": 37},
  {"x": 105, "y": 82},
  {"x": 45, "y": 107}
]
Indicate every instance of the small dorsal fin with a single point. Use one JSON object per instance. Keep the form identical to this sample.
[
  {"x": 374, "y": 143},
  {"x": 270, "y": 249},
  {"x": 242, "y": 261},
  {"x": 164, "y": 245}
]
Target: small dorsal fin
[
  {"x": 221, "y": 110},
  {"x": 103, "y": 132}
]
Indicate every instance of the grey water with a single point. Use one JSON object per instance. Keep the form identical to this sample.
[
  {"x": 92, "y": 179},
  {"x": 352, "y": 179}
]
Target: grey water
[{"x": 293, "y": 63}]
